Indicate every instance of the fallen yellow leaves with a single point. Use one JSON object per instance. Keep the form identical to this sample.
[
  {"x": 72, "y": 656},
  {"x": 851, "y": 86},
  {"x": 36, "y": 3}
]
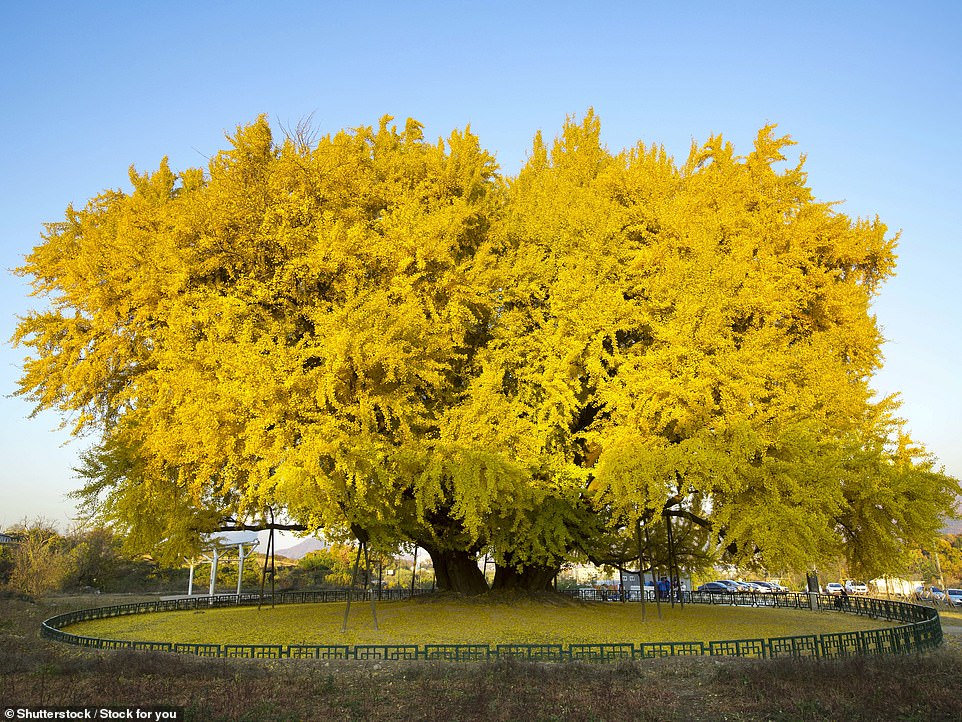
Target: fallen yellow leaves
[{"x": 466, "y": 622}]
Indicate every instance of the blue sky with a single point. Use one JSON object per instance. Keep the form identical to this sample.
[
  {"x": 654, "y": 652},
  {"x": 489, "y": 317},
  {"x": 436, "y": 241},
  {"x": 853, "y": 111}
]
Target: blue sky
[{"x": 871, "y": 92}]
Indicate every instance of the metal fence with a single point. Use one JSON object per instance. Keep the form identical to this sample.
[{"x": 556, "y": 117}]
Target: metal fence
[{"x": 920, "y": 630}]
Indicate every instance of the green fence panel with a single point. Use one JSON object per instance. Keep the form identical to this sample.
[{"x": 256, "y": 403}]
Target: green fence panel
[
  {"x": 890, "y": 640},
  {"x": 792, "y": 601},
  {"x": 875, "y": 641},
  {"x": 874, "y": 608},
  {"x": 544, "y": 652},
  {"x": 897, "y": 640},
  {"x": 647, "y": 650},
  {"x": 386, "y": 651},
  {"x": 738, "y": 648},
  {"x": 319, "y": 651},
  {"x": 152, "y": 646},
  {"x": 201, "y": 650},
  {"x": 805, "y": 645},
  {"x": 687, "y": 649},
  {"x": 904, "y": 639},
  {"x": 841, "y": 644},
  {"x": 457, "y": 652},
  {"x": 929, "y": 634},
  {"x": 254, "y": 651},
  {"x": 601, "y": 652}
]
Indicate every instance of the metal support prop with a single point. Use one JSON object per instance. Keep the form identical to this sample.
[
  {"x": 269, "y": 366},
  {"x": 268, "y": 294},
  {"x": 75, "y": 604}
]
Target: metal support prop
[
  {"x": 268, "y": 558},
  {"x": 380, "y": 577},
  {"x": 350, "y": 592},
  {"x": 240, "y": 567},
  {"x": 367, "y": 559},
  {"x": 213, "y": 573},
  {"x": 653, "y": 579},
  {"x": 414, "y": 570},
  {"x": 672, "y": 564},
  {"x": 641, "y": 569},
  {"x": 362, "y": 546}
]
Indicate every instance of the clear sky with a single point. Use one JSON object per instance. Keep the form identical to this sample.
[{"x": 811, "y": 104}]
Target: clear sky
[{"x": 871, "y": 91}]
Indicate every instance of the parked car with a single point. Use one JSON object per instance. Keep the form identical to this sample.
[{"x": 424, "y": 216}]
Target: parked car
[
  {"x": 854, "y": 587},
  {"x": 933, "y": 594},
  {"x": 834, "y": 588},
  {"x": 736, "y": 586},
  {"x": 715, "y": 588},
  {"x": 764, "y": 587},
  {"x": 954, "y": 597},
  {"x": 774, "y": 587}
]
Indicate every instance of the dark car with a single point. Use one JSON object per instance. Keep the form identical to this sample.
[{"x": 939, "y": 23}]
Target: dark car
[
  {"x": 715, "y": 588},
  {"x": 736, "y": 586}
]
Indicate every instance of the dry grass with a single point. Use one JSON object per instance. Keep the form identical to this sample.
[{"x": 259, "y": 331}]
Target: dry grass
[
  {"x": 35, "y": 671},
  {"x": 951, "y": 617}
]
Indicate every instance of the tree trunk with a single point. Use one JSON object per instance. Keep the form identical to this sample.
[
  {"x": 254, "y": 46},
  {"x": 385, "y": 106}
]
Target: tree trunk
[
  {"x": 456, "y": 571},
  {"x": 526, "y": 579}
]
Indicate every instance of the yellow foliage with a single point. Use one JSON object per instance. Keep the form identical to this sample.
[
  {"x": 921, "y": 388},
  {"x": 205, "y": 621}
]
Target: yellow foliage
[{"x": 378, "y": 333}]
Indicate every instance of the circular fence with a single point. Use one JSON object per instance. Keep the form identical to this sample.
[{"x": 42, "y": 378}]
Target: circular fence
[{"x": 920, "y": 630}]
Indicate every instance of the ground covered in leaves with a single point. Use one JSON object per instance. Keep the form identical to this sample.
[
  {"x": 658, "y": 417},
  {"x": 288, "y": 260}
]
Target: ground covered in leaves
[
  {"x": 35, "y": 671},
  {"x": 491, "y": 620}
]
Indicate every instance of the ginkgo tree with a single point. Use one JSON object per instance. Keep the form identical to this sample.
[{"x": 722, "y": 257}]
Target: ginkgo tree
[{"x": 382, "y": 338}]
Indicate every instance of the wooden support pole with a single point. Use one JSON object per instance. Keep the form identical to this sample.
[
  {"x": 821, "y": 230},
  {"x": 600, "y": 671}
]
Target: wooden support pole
[
  {"x": 380, "y": 577},
  {"x": 367, "y": 561},
  {"x": 268, "y": 559},
  {"x": 414, "y": 570},
  {"x": 273, "y": 567},
  {"x": 240, "y": 567},
  {"x": 671, "y": 562},
  {"x": 641, "y": 569},
  {"x": 350, "y": 592},
  {"x": 652, "y": 554},
  {"x": 213, "y": 573}
]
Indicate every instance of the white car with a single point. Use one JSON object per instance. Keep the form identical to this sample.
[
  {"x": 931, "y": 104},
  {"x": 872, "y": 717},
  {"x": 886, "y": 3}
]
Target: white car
[
  {"x": 954, "y": 597},
  {"x": 834, "y": 588},
  {"x": 853, "y": 587}
]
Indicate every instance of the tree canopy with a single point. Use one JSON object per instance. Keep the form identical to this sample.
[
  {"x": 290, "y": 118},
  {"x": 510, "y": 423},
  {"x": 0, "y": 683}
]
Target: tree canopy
[{"x": 383, "y": 337}]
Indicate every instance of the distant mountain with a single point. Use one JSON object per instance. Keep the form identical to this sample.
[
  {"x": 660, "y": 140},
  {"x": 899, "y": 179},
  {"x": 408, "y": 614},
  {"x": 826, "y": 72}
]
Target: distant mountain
[
  {"x": 302, "y": 549},
  {"x": 954, "y": 526}
]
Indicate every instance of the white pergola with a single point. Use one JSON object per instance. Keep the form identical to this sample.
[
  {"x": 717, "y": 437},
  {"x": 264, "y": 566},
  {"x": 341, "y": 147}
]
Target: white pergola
[{"x": 219, "y": 548}]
